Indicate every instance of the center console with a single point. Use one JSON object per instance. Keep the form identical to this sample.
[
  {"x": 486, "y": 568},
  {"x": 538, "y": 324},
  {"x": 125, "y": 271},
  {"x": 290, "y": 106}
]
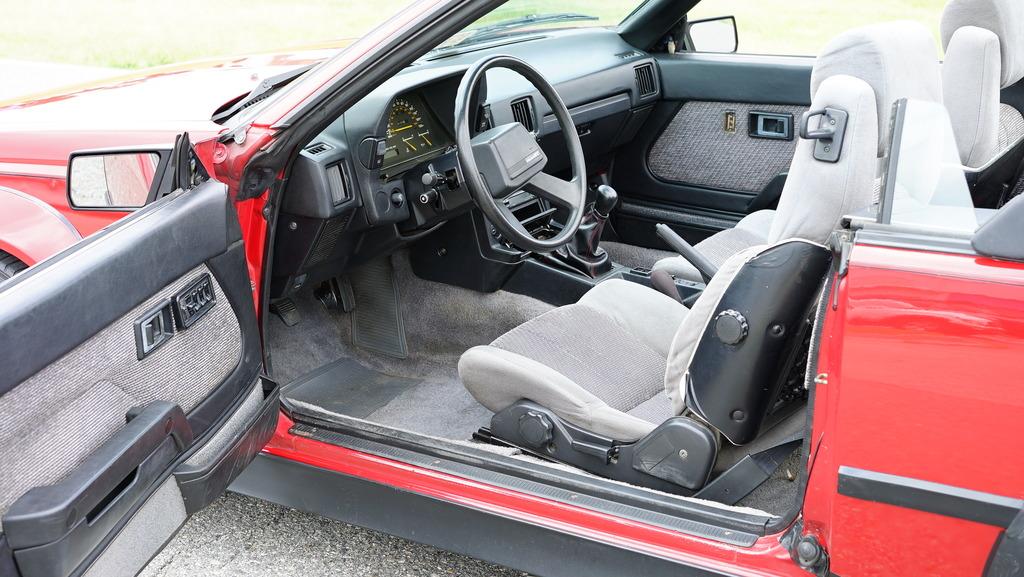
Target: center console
[{"x": 468, "y": 251}]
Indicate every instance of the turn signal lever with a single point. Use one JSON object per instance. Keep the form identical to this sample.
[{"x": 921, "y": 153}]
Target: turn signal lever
[
  {"x": 584, "y": 253},
  {"x": 687, "y": 251}
]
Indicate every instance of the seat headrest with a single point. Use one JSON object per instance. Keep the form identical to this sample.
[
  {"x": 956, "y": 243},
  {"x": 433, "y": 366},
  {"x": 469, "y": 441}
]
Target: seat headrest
[
  {"x": 897, "y": 59},
  {"x": 1004, "y": 18}
]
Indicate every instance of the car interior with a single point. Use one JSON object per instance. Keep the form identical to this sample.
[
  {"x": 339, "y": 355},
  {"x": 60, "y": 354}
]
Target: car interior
[{"x": 560, "y": 256}]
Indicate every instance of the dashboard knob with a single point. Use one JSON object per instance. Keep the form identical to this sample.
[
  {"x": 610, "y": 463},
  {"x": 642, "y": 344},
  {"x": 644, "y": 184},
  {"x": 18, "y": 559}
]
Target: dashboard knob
[
  {"x": 397, "y": 199},
  {"x": 431, "y": 179},
  {"x": 428, "y": 196}
]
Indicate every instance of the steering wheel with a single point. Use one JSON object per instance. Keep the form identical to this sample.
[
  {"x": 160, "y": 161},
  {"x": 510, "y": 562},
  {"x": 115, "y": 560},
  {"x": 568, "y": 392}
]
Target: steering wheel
[{"x": 507, "y": 158}]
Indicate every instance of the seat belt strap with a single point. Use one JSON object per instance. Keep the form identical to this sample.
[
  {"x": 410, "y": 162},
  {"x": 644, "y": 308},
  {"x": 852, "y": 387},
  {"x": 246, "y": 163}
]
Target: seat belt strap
[{"x": 748, "y": 474}]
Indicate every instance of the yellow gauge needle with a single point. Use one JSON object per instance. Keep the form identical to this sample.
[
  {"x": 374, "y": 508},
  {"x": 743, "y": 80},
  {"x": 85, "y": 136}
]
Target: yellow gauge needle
[
  {"x": 409, "y": 144},
  {"x": 406, "y": 127},
  {"x": 423, "y": 135}
]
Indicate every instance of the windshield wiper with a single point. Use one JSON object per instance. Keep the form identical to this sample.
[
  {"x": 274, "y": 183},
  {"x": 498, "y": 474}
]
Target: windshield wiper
[
  {"x": 499, "y": 28},
  {"x": 261, "y": 91}
]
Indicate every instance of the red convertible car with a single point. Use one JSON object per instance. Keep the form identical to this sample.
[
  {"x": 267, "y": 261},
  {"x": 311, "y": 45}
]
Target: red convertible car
[{"x": 441, "y": 284}]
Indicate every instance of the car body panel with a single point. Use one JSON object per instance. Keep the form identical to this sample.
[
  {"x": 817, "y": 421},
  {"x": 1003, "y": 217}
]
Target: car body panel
[{"x": 916, "y": 380}]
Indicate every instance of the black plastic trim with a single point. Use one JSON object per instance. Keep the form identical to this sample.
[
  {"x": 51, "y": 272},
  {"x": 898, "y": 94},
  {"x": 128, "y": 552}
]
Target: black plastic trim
[
  {"x": 529, "y": 547},
  {"x": 200, "y": 486},
  {"x": 921, "y": 495}
]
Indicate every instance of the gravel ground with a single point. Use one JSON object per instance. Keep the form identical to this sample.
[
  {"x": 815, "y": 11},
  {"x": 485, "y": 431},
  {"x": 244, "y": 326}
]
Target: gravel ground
[{"x": 242, "y": 536}]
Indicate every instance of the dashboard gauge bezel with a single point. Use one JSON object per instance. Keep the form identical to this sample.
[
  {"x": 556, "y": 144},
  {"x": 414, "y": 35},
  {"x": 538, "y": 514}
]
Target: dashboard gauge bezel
[{"x": 438, "y": 139}]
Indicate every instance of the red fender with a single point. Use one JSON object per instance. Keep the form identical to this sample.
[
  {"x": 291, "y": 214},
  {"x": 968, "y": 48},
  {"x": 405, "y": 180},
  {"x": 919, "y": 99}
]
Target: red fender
[{"x": 32, "y": 230}]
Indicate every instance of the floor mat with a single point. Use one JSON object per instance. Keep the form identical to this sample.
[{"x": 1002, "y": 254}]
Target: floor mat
[
  {"x": 437, "y": 407},
  {"x": 377, "y": 318},
  {"x": 347, "y": 387}
]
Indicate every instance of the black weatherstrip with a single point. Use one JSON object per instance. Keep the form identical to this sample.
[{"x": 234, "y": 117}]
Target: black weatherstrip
[
  {"x": 928, "y": 496},
  {"x": 528, "y": 547}
]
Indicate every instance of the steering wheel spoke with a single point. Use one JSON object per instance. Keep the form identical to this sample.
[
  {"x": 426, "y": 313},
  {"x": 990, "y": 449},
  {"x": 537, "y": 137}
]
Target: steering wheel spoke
[{"x": 564, "y": 193}]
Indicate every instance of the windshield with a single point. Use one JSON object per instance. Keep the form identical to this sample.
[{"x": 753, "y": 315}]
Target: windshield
[
  {"x": 524, "y": 16},
  {"x": 925, "y": 183}
]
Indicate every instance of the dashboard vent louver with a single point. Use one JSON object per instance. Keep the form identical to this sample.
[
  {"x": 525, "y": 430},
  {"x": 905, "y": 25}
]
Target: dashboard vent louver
[
  {"x": 646, "y": 85},
  {"x": 337, "y": 182},
  {"x": 318, "y": 148},
  {"x": 522, "y": 112}
]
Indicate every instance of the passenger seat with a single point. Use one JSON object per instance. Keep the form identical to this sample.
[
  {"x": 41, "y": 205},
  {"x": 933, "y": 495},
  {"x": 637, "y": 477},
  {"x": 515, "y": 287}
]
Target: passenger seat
[{"x": 890, "y": 61}]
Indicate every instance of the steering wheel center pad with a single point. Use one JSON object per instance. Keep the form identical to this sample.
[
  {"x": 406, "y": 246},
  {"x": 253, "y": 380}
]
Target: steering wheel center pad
[{"x": 508, "y": 156}]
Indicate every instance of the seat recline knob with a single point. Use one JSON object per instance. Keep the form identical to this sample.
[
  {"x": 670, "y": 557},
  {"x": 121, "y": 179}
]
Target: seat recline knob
[
  {"x": 535, "y": 428},
  {"x": 731, "y": 327}
]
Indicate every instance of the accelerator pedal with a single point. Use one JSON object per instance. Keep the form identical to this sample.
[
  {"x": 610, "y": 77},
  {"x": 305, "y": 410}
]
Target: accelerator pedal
[{"x": 377, "y": 317}]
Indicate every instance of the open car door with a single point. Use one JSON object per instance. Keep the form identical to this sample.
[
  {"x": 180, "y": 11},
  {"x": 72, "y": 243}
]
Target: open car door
[{"x": 131, "y": 388}]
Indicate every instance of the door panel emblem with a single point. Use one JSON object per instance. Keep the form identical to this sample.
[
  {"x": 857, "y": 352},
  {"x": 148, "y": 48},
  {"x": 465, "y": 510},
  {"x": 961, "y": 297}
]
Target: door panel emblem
[{"x": 730, "y": 121}]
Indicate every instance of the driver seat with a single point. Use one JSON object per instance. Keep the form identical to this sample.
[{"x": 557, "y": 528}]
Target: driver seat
[{"x": 630, "y": 384}]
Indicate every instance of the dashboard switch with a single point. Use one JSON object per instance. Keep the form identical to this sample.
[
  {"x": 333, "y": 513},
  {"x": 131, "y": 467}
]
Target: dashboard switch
[
  {"x": 431, "y": 179},
  {"x": 428, "y": 197}
]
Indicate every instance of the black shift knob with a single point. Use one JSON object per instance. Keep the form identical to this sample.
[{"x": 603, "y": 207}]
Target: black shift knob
[{"x": 606, "y": 200}]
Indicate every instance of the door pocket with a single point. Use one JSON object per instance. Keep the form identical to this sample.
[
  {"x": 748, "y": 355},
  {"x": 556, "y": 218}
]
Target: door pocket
[{"x": 52, "y": 529}]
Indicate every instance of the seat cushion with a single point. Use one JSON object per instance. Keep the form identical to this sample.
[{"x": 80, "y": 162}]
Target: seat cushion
[{"x": 599, "y": 364}]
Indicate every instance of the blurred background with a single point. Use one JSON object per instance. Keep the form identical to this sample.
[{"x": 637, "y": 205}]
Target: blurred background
[{"x": 142, "y": 33}]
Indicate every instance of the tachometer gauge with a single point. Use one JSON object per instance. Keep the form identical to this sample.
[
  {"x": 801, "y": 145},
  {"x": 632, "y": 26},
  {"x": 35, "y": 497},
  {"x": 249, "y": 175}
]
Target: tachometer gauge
[
  {"x": 411, "y": 131},
  {"x": 405, "y": 127}
]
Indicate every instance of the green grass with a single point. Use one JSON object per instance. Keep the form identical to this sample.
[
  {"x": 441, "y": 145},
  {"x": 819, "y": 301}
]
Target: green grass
[
  {"x": 139, "y": 33},
  {"x": 802, "y": 27}
]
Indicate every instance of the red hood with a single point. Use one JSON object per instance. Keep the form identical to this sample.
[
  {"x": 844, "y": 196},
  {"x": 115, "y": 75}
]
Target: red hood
[{"x": 144, "y": 107}]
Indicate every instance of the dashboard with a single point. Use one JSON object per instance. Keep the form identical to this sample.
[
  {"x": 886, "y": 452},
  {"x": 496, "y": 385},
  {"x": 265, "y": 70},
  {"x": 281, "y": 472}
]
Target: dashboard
[{"x": 386, "y": 173}]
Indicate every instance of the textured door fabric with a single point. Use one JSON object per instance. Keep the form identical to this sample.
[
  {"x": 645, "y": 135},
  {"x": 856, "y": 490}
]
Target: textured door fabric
[
  {"x": 120, "y": 443},
  {"x": 697, "y": 147}
]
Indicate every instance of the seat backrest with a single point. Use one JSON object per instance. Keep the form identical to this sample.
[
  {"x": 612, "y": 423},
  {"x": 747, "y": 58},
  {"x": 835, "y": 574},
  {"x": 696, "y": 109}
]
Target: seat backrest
[
  {"x": 861, "y": 72},
  {"x": 738, "y": 355},
  {"x": 984, "y": 44}
]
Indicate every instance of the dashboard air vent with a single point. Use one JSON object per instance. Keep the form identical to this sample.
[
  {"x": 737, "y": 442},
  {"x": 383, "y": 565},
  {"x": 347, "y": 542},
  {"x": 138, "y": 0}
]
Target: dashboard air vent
[
  {"x": 646, "y": 85},
  {"x": 337, "y": 184},
  {"x": 318, "y": 148},
  {"x": 522, "y": 112}
]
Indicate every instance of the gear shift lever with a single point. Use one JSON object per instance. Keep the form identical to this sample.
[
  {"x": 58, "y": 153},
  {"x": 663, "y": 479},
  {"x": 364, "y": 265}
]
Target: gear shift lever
[{"x": 583, "y": 253}]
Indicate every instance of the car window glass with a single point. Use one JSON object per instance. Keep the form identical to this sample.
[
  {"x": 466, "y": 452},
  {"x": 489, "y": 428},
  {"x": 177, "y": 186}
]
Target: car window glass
[
  {"x": 802, "y": 27},
  {"x": 929, "y": 187}
]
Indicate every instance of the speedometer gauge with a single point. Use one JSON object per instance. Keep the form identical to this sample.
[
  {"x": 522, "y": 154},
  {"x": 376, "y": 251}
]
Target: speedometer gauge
[{"x": 411, "y": 131}]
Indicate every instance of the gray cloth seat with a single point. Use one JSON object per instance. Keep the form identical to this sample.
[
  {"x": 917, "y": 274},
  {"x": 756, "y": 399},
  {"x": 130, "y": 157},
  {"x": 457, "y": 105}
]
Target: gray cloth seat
[
  {"x": 614, "y": 363},
  {"x": 885, "y": 62},
  {"x": 984, "y": 43},
  {"x": 599, "y": 363}
]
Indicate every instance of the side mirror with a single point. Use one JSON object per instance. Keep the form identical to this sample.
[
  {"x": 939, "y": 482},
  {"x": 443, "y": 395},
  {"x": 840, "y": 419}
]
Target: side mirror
[
  {"x": 713, "y": 34},
  {"x": 115, "y": 179}
]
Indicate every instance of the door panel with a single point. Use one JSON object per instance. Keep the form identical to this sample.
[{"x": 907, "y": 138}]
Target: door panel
[
  {"x": 106, "y": 447},
  {"x": 694, "y": 164}
]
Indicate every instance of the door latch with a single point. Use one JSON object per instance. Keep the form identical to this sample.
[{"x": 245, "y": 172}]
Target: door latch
[{"x": 153, "y": 329}]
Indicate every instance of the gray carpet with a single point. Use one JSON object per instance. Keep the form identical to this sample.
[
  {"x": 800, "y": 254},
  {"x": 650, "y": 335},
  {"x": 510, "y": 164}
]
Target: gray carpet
[
  {"x": 634, "y": 256},
  {"x": 421, "y": 392}
]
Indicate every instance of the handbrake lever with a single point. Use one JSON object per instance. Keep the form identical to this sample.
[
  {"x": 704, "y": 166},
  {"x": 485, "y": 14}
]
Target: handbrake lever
[{"x": 687, "y": 251}]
